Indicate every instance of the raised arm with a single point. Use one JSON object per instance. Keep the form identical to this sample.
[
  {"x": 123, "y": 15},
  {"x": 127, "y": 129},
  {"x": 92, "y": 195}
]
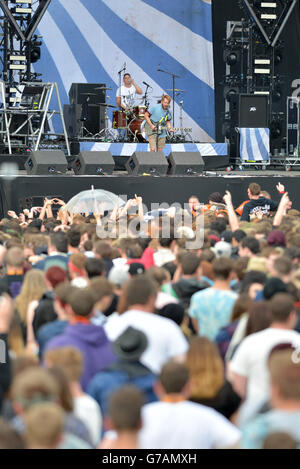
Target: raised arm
[
  {"x": 281, "y": 211},
  {"x": 232, "y": 216}
]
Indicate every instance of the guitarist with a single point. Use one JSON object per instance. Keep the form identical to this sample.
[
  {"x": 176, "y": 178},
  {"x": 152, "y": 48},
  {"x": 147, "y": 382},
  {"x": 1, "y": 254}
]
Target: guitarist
[{"x": 156, "y": 117}]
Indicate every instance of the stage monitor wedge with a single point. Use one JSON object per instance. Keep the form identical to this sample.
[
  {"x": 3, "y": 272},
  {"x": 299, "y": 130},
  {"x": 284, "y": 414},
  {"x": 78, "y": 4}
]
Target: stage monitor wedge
[
  {"x": 148, "y": 163},
  {"x": 46, "y": 163},
  {"x": 185, "y": 163},
  {"x": 97, "y": 163}
]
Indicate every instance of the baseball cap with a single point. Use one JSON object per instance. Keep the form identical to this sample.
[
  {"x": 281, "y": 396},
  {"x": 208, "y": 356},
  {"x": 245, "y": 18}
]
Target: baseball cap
[
  {"x": 222, "y": 249},
  {"x": 119, "y": 275}
]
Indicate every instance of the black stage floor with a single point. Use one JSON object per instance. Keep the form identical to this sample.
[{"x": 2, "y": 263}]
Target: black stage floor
[{"x": 167, "y": 189}]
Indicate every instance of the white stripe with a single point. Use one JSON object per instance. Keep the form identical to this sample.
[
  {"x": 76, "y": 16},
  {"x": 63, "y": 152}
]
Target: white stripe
[
  {"x": 61, "y": 53},
  {"x": 194, "y": 51},
  {"x": 257, "y": 156},
  {"x": 178, "y": 147},
  {"x": 206, "y": 150},
  {"x": 128, "y": 149},
  {"x": 100, "y": 43}
]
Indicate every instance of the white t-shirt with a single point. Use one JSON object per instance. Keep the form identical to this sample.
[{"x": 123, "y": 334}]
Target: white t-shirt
[
  {"x": 88, "y": 410},
  {"x": 250, "y": 359},
  {"x": 128, "y": 96},
  {"x": 165, "y": 339},
  {"x": 185, "y": 425},
  {"x": 162, "y": 256}
]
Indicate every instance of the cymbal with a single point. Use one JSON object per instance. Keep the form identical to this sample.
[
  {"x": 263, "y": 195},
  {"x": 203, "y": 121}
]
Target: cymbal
[
  {"x": 106, "y": 105},
  {"x": 100, "y": 88},
  {"x": 176, "y": 89},
  {"x": 88, "y": 94}
]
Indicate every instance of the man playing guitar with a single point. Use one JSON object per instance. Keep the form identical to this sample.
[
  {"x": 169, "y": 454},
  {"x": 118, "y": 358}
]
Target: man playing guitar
[{"x": 156, "y": 117}]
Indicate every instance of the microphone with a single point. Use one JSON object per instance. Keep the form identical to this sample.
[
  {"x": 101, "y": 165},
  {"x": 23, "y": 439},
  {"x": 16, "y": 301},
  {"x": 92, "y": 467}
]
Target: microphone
[
  {"x": 124, "y": 66},
  {"x": 144, "y": 83}
]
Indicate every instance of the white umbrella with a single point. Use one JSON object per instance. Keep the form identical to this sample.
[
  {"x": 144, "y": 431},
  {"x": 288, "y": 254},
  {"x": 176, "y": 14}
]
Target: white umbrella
[{"x": 94, "y": 200}]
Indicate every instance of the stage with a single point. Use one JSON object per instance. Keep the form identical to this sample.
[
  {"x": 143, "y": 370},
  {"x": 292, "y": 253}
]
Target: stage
[{"x": 167, "y": 189}]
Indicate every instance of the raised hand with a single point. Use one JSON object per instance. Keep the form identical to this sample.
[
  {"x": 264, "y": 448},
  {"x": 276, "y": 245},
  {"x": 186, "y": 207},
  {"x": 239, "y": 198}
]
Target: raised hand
[
  {"x": 12, "y": 214},
  {"x": 280, "y": 187},
  {"x": 227, "y": 198}
]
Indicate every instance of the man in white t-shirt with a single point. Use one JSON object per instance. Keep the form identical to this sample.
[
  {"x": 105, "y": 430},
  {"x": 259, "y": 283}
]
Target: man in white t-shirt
[
  {"x": 248, "y": 370},
  {"x": 126, "y": 94},
  {"x": 165, "y": 339},
  {"x": 175, "y": 422}
]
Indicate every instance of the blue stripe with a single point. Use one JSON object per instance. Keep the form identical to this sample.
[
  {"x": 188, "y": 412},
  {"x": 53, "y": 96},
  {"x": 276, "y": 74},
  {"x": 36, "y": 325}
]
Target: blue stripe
[
  {"x": 190, "y": 147},
  {"x": 199, "y": 98},
  {"x": 221, "y": 148},
  {"x": 249, "y": 146},
  {"x": 194, "y": 15},
  {"x": 262, "y": 148}
]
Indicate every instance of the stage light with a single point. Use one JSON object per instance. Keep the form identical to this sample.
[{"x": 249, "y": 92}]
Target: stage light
[
  {"x": 35, "y": 54},
  {"x": 227, "y": 129},
  {"x": 231, "y": 57},
  {"x": 277, "y": 57},
  {"x": 275, "y": 128},
  {"x": 277, "y": 93},
  {"x": 230, "y": 91}
]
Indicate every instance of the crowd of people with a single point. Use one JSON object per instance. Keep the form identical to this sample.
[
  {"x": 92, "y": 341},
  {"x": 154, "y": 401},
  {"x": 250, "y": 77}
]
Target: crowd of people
[{"x": 136, "y": 341}]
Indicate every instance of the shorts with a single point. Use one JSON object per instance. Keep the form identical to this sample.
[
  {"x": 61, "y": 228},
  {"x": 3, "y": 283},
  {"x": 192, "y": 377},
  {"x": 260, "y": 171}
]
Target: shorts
[{"x": 152, "y": 141}]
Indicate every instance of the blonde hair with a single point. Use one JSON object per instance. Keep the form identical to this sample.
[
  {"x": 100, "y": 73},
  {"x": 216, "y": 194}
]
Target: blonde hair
[
  {"x": 166, "y": 96},
  {"x": 39, "y": 434},
  {"x": 69, "y": 359},
  {"x": 205, "y": 368},
  {"x": 33, "y": 288}
]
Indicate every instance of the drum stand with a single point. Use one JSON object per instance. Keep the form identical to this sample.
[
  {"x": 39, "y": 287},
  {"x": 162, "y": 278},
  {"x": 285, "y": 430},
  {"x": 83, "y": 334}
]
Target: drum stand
[
  {"x": 183, "y": 134},
  {"x": 106, "y": 134},
  {"x": 84, "y": 132}
]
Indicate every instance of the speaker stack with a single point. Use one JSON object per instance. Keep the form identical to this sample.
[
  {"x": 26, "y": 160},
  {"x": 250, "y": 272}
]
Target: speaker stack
[
  {"x": 249, "y": 111},
  {"x": 90, "y": 96}
]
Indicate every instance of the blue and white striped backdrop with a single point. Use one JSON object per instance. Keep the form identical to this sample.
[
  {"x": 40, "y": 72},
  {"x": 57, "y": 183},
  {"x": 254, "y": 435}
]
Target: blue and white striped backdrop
[
  {"x": 127, "y": 149},
  {"x": 254, "y": 144},
  {"x": 89, "y": 41}
]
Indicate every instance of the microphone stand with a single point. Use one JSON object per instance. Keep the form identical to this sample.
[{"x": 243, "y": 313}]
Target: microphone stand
[
  {"x": 173, "y": 89},
  {"x": 120, "y": 79},
  {"x": 145, "y": 97}
]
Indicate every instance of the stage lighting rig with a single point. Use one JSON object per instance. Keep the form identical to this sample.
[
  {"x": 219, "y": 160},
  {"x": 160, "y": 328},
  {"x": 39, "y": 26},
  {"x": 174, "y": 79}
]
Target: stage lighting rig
[{"x": 20, "y": 46}]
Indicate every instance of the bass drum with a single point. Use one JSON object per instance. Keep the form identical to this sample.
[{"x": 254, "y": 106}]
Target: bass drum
[
  {"x": 136, "y": 130},
  {"x": 119, "y": 120}
]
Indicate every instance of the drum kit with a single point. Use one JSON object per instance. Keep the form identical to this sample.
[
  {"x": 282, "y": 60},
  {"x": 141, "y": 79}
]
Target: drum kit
[{"x": 129, "y": 123}]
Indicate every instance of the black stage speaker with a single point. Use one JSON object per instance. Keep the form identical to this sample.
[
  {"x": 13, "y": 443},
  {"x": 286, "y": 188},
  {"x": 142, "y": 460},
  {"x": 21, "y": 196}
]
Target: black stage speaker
[
  {"x": 253, "y": 111},
  {"x": 46, "y": 162},
  {"x": 185, "y": 163},
  {"x": 94, "y": 162},
  {"x": 77, "y": 93},
  {"x": 94, "y": 123},
  {"x": 152, "y": 163}
]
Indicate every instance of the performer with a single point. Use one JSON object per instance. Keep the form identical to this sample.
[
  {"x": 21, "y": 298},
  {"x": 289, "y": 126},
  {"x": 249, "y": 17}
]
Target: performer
[
  {"x": 156, "y": 116},
  {"x": 126, "y": 95}
]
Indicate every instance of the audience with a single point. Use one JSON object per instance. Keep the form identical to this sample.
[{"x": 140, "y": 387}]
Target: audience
[{"x": 145, "y": 341}]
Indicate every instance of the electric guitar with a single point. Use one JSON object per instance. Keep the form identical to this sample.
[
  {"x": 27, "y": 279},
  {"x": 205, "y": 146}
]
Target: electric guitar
[{"x": 146, "y": 130}]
